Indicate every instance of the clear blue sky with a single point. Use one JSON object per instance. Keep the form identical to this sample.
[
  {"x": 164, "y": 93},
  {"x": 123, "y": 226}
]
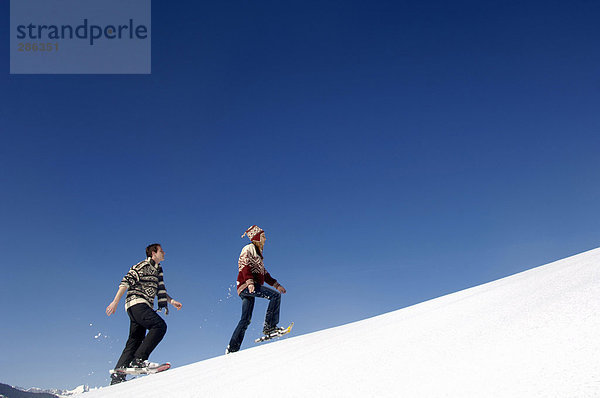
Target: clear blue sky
[{"x": 393, "y": 151}]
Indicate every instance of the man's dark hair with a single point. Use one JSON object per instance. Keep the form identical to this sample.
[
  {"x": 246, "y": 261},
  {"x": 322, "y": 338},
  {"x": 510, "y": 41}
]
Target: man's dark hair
[{"x": 153, "y": 248}]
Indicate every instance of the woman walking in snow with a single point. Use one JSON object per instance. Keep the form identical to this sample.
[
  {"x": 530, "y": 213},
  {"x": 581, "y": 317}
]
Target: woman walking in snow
[{"x": 251, "y": 277}]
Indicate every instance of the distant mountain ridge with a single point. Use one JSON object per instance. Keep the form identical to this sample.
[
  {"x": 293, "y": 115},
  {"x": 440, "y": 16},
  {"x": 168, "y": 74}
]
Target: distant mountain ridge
[
  {"x": 7, "y": 391},
  {"x": 11, "y": 392},
  {"x": 61, "y": 393}
]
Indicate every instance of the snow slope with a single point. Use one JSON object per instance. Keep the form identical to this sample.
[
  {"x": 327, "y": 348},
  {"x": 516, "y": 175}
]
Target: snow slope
[{"x": 533, "y": 334}]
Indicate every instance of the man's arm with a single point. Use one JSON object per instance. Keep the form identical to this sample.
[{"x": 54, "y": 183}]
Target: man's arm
[
  {"x": 112, "y": 307},
  {"x": 174, "y": 302},
  {"x": 131, "y": 278}
]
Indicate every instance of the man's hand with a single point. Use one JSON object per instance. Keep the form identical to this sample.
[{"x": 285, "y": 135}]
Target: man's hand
[
  {"x": 176, "y": 304},
  {"x": 251, "y": 288},
  {"x": 281, "y": 289},
  {"x": 112, "y": 308}
]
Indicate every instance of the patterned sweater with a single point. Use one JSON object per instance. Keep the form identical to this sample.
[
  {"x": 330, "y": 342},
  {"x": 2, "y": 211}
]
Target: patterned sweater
[
  {"x": 252, "y": 269},
  {"x": 143, "y": 282}
]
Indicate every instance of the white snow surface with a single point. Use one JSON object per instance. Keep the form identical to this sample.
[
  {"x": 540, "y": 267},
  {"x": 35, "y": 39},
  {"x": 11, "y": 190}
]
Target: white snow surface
[{"x": 533, "y": 334}]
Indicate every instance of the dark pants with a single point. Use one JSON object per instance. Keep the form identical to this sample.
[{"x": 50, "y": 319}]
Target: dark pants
[
  {"x": 140, "y": 344},
  {"x": 271, "y": 318}
]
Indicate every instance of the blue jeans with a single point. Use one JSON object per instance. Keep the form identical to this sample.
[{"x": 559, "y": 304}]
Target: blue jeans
[{"x": 271, "y": 318}]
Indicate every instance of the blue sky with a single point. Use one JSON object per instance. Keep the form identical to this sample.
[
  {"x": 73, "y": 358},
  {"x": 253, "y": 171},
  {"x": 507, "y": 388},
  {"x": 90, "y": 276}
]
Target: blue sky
[{"x": 393, "y": 152}]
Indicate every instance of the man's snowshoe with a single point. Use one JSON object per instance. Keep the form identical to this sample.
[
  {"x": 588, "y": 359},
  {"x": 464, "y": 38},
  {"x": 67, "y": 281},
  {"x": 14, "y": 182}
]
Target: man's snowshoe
[{"x": 141, "y": 367}]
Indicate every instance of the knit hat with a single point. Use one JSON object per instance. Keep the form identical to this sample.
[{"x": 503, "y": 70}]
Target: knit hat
[{"x": 253, "y": 232}]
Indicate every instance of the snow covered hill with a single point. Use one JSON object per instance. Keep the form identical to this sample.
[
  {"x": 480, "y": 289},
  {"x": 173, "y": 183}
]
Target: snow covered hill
[{"x": 534, "y": 334}]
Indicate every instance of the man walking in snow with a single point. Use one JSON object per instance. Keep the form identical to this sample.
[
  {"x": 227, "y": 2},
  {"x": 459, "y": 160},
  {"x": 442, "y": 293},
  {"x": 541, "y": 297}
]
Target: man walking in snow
[
  {"x": 251, "y": 277},
  {"x": 143, "y": 282}
]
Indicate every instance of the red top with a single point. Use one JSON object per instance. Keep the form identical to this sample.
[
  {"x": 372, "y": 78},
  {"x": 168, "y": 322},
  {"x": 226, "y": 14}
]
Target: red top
[{"x": 252, "y": 269}]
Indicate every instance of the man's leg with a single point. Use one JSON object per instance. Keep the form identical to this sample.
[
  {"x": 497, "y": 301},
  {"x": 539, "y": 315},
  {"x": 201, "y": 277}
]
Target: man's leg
[
  {"x": 274, "y": 297},
  {"x": 239, "y": 332},
  {"x": 145, "y": 316},
  {"x": 136, "y": 335}
]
